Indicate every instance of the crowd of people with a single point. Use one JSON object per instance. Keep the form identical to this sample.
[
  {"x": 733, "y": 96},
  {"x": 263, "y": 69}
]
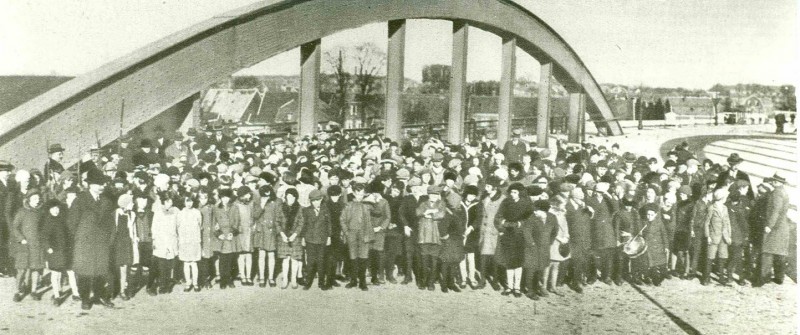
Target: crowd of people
[{"x": 210, "y": 209}]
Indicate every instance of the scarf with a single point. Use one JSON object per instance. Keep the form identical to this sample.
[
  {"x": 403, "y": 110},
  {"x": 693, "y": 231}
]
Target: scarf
[{"x": 290, "y": 212}]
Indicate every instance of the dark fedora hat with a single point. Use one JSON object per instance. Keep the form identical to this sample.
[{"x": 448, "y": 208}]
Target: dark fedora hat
[
  {"x": 95, "y": 176},
  {"x": 778, "y": 177},
  {"x": 734, "y": 159},
  {"x": 56, "y": 147}
]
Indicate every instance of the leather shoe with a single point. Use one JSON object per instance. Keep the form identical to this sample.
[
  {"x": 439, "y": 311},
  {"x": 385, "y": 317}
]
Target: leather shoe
[
  {"x": 105, "y": 302},
  {"x": 86, "y": 305}
]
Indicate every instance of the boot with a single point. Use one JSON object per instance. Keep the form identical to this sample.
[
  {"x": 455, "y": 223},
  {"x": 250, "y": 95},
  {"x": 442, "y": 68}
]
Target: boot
[
  {"x": 354, "y": 274},
  {"x": 450, "y": 280},
  {"x": 407, "y": 278},
  {"x": 309, "y": 281},
  {"x": 707, "y": 273},
  {"x": 724, "y": 276},
  {"x": 362, "y": 275},
  {"x": 779, "y": 266},
  {"x": 430, "y": 277}
]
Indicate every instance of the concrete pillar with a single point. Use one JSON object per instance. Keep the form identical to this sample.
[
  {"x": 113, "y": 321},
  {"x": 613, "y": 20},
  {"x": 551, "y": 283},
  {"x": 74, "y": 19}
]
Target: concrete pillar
[
  {"x": 458, "y": 83},
  {"x": 506, "y": 99},
  {"x": 543, "y": 107},
  {"x": 395, "y": 77},
  {"x": 310, "y": 56},
  {"x": 577, "y": 109}
]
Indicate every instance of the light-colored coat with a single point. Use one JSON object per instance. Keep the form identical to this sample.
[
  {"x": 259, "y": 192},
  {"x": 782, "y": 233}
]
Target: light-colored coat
[
  {"x": 165, "y": 232},
  {"x": 190, "y": 235},
  {"x": 717, "y": 226},
  {"x": 777, "y": 241},
  {"x": 488, "y": 237}
]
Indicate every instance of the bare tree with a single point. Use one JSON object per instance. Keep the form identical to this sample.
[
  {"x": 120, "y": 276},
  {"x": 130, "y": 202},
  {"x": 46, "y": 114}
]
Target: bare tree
[
  {"x": 338, "y": 105},
  {"x": 368, "y": 62}
]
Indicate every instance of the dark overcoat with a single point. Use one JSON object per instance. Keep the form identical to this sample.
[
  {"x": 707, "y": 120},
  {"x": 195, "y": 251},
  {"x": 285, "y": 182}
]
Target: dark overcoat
[
  {"x": 580, "y": 233},
  {"x": 603, "y": 234},
  {"x": 539, "y": 235},
  {"x": 92, "y": 224},
  {"x": 55, "y": 235}
]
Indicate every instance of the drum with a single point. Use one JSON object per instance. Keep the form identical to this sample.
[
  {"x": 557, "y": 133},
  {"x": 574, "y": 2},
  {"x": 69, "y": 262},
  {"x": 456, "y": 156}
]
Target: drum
[{"x": 635, "y": 247}]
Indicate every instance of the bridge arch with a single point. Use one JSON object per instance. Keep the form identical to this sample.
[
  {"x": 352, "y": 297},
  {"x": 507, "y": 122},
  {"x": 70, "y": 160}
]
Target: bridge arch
[{"x": 163, "y": 73}]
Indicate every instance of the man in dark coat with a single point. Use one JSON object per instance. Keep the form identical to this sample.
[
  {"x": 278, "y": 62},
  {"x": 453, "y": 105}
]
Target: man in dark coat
[
  {"x": 515, "y": 148},
  {"x": 316, "y": 235},
  {"x": 91, "y": 221},
  {"x": 580, "y": 238},
  {"x": 145, "y": 156},
  {"x": 337, "y": 251},
  {"x": 5, "y": 189},
  {"x": 776, "y": 232},
  {"x": 604, "y": 237},
  {"x": 539, "y": 234},
  {"x": 409, "y": 223},
  {"x": 53, "y": 167}
]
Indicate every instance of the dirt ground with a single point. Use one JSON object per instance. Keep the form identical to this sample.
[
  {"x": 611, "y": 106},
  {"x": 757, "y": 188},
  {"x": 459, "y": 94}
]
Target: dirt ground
[{"x": 395, "y": 309}]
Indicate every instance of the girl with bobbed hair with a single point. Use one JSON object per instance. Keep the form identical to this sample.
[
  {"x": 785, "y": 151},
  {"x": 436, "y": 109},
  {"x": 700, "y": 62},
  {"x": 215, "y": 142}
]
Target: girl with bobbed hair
[
  {"x": 267, "y": 215},
  {"x": 514, "y": 211}
]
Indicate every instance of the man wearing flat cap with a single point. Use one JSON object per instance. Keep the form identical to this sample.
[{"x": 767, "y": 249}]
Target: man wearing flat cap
[{"x": 777, "y": 235}]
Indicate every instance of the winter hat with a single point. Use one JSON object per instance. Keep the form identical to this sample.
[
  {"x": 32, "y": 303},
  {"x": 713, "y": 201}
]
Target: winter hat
[{"x": 471, "y": 189}]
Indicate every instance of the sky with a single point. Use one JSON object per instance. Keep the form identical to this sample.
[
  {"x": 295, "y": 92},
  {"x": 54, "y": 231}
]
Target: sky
[{"x": 690, "y": 43}]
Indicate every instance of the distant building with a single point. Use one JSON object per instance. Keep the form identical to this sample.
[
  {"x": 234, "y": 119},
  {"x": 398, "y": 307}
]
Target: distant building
[{"x": 691, "y": 106}]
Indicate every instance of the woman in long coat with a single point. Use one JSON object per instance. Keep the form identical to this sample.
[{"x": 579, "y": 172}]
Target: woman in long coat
[
  {"x": 289, "y": 246},
  {"x": 778, "y": 237},
  {"x": 470, "y": 214},
  {"x": 226, "y": 227},
  {"x": 510, "y": 218},
  {"x": 27, "y": 243},
  {"x": 55, "y": 243},
  {"x": 655, "y": 235},
  {"x": 268, "y": 216},
  {"x": 487, "y": 242}
]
